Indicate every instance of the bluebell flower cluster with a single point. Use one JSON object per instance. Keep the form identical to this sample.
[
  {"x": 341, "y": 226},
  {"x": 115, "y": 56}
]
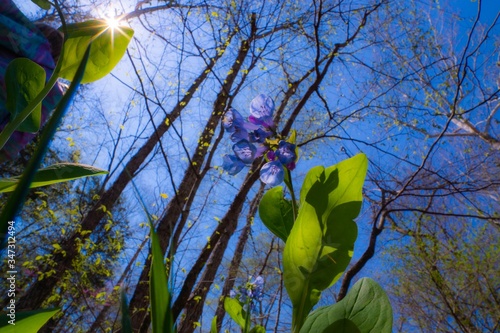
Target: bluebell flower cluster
[
  {"x": 251, "y": 292},
  {"x": 253, "y": 137}
]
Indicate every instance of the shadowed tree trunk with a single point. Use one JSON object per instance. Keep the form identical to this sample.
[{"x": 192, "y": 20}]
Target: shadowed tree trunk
[{"x": 188, "y": 188}]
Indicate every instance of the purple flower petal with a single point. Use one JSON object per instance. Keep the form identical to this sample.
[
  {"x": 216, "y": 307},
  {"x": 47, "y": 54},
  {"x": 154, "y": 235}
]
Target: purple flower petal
[
  {"x": 261, "y": 111},
  {"x": 290, "y": 166},
  {"x": 232, "y": 118},
  {"x": 259, "y": 135},
  {"x": 272, "y": 173},
  {"x": 266, "y": 122},
  {"x": 271, "y": 155},
  {"x": 239, "y": 133},
  {"x": 286, "y": 152},
  {"x": 232, "y": 164},
  {"x": 261, "y": 149},
  {"x": 245, "y": 151}
]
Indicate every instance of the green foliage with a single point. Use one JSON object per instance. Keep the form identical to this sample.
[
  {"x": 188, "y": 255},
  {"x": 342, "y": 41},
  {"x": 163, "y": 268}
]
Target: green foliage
[
  {"x": 258, "y": 329},
  {"x": 108, "y": 50},
  {"x": 24, "y": 80},
  {"x": 213, "y": 326},
  {"x": 108, "y": 47},
  {"x": 44, "y": 4},
  {"x": 57, "y": 173},
  {"x": 276, "y": 212},
  {"x": 365, "y": 309},
  {"x": 30, "y": 321},
  {"x": 234, "y": 309},
  {"x": 450, "y": 262},
  {"x": 321, "y": 242},
  {"x": 26, "y": 89},
  {"x": 161, "y": 314}
]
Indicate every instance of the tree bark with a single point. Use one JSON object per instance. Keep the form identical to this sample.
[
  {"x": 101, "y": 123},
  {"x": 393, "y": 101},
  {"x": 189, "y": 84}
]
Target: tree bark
[{"x": 187, "y": 190}]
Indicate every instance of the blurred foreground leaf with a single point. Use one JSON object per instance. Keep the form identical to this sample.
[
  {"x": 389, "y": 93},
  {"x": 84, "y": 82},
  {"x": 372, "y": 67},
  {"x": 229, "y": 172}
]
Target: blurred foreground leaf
[{"x": 56, "y": 173}]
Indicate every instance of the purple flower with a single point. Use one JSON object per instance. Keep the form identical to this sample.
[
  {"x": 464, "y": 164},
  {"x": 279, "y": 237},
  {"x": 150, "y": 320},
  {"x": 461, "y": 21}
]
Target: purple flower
[
  {"x": 232, "y": 164},
  {"x": 259, "y": 135},
  {"x": 258, "y": 287},
  {"x": 251, "y": 137},
  {"x": 250, "y": 293},
  {"x": 272, "y": 173},
  {"x": 231, "y": 119},
  {"x": 286, "y": 152},
  {"x": 261, "y": 111},
  {"x": 261, "y": 149},
  {"x": 245, "y": 151},
  {"x": 239, "y": 133}
]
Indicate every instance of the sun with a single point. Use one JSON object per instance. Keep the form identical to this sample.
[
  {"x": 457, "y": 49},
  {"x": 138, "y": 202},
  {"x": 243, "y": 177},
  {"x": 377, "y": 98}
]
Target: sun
[{"x": 112, "y": 23}]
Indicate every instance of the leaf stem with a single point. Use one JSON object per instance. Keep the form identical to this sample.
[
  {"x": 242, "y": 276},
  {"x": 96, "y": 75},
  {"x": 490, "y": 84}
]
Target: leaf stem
[{"x": 289, "y": 184}]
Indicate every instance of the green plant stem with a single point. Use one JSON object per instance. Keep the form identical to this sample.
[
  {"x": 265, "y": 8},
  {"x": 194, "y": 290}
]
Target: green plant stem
[
  {"x": 16, "y": 199},
  {"x": 289, "y": 184},
  {"x": 247, "y": 317}
]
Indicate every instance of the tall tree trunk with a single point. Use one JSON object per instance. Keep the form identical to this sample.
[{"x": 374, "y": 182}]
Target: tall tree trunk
[
  {"x": 186, "y": 191},
  {"x": 42, "y": 289},
  {"x": 238, "y": 255},
  {"x": 225, "y": 230}
]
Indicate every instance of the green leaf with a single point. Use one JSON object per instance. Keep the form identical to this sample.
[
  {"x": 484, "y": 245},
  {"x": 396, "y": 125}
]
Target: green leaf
[
  {"x": 365, "y": 309},
  {"x": 235, "y": 310},
  {"x": 321, "y": 243},
  {"x": 276, "y": 212},
  {"x": 108, "y": 47},
  {"x": 126, "y": 323},
  {"x": 55, "y": 173},
  {"x": 213, "y": 327},
  {"x": 29, "y": 321},
  {"x": 258, "y": 329},
  {"x": 161, "y": 314},
  {"x": 44, "y": 4},
  {"x": 24, "y": 79}
]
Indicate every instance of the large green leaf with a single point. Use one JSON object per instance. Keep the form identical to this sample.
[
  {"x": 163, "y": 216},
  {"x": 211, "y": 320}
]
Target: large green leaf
[
  {"x": 55, "y": 173},
  {"x": 365, "y": 309},
  {"x": 235, "y": 310},
  {"x": 44, "y": 4},
  {"x": 30, "y": 321},
  {"x": 321, "y": 243},
  {"x": 24, "y": 79},
  {"x": 161, "y": 313},
  {"x": 108, "y": 46},
  {"x": 276, "y": 212}
]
